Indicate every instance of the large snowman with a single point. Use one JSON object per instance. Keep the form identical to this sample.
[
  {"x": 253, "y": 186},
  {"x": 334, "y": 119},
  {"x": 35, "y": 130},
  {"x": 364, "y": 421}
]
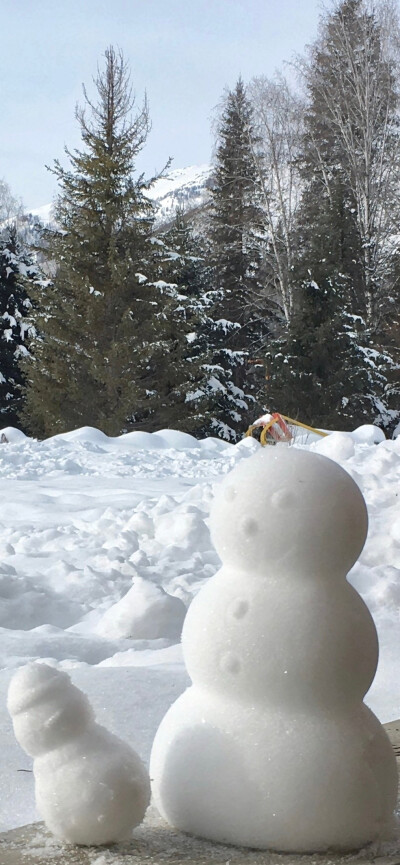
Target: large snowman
[{"x": 272, "y": 746}]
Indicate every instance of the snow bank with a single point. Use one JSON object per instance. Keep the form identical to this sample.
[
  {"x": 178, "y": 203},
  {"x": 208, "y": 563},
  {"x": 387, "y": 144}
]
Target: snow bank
[{"x": 83, "y": 515}]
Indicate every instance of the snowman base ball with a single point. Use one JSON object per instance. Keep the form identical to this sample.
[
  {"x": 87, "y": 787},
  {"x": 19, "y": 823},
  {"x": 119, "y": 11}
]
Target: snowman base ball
[
  {"x": 91, "y": 788},
  {"x": 272, "y": 747}
]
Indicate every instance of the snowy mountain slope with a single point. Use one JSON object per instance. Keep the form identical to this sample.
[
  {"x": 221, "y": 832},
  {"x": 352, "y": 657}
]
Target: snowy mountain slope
[
  {"x": 182, "y": 187},
  {"x": 44, "y": 213}
]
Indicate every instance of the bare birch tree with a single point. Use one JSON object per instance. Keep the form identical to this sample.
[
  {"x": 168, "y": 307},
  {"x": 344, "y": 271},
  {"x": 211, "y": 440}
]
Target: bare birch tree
[{"x": 278, "y": 118}]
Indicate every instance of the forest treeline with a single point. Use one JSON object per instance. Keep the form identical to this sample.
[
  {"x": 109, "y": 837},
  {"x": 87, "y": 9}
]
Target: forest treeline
[{"x": 280, "y": 294}]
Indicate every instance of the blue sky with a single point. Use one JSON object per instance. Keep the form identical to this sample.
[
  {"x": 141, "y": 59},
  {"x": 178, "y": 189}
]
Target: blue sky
[{"x": 183, "y": 52}]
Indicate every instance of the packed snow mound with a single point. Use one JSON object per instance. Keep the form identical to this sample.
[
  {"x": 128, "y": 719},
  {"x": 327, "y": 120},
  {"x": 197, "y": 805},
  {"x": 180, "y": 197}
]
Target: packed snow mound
[
  {"x": 339, "y": 443},
  {"x": 165, "y": 439},
  {"x": 338, "y": 446},
  {"x": 140, "y": 440},
  {"x": 341, "y": 446},
  {"x": 146, "y": 612},
  {"x": 91, "y": 788},
  {"x": 178, "y": 440},
  {"x": 83, "y": 434}
]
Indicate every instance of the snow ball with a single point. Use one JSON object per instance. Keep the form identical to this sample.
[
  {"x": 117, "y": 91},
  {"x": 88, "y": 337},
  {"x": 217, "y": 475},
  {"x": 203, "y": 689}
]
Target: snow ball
[
  {"x": 338, "y": 446},
  {"x": 11, "y": 435},
  {"x": 146, "y": 612},
  {"x": 368, "y": 434}
]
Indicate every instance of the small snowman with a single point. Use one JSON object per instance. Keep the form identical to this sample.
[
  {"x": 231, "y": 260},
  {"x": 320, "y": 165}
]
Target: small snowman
[
  {"x": 272, "y": 746},
  {"x": 91, "y": 788}
]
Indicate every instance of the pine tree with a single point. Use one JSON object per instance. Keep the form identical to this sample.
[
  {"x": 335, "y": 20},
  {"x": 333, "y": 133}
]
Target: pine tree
[
  {"x": 16, "y": 328},
  {"x": 316, "y": 371},
  {"x": 94, "y": 360},
  {"x": 237, "y": 235}
]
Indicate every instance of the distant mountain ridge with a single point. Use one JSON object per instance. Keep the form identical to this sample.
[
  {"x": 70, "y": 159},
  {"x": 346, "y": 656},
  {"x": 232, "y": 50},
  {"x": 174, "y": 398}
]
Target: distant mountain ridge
[{"x": 186, "y": 188}]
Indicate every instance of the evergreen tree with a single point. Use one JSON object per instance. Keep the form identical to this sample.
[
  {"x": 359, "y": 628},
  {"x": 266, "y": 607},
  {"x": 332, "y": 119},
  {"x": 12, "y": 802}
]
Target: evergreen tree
[
  {"x": 237, "y": 236},
  {"x": 177, "y": 358},
  {"x": 317, "y": 371},
  {"x": 100, "y": 315},
  {"x": 212, "y": 403},
  {"x": 16, "y": 328}
]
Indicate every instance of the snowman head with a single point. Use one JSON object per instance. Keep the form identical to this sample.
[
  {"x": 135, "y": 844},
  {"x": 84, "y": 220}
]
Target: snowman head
[
  {"x": 46, "y": 708},
  {"x": 286, "y": 509}
]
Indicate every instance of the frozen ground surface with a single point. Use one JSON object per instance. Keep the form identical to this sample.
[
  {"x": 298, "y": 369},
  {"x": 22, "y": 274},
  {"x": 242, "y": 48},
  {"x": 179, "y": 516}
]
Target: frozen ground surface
[{"x": 83, "y": 515}]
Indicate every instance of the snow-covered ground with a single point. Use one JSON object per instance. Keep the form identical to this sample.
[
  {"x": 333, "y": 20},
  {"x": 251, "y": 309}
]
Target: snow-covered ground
[{"x": 93, "y": 528}]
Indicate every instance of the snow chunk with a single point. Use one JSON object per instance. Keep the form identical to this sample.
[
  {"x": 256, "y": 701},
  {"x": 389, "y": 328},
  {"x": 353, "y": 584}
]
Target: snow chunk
[
  {"x": 146, "y": 612},
  {"x": 368, "y": 434},
  {"x": 183, "y": 527}
]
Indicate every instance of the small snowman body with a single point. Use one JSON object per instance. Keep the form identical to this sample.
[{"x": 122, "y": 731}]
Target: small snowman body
[
  {"x": 272, "y": 746},
  {"x": 91, "y": 788}
]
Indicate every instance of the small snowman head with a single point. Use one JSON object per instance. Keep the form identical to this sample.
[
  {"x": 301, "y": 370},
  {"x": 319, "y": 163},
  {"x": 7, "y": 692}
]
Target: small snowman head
[
  {"x": 46, "y": 708},
  {"x": 285, "y": 510}
]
